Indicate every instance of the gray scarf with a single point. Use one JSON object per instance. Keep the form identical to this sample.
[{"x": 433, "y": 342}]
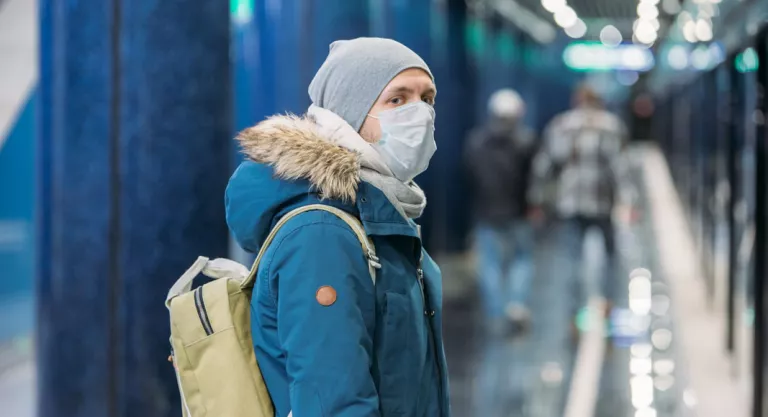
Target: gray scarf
[{"x": 408, "y": 199}]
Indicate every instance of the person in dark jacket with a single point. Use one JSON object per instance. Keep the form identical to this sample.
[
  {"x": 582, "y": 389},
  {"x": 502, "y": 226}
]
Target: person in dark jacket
[
  {"x": 330, "y": 342},
  {"x": 499, "y": 157}
]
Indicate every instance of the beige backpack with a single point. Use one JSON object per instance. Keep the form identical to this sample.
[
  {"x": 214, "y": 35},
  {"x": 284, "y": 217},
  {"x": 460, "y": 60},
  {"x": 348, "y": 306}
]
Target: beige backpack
[{"x": 211, "y": 346}]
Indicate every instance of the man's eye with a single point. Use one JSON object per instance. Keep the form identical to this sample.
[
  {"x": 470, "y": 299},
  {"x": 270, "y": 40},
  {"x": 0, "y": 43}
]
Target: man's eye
[
  {"x": 429, "y": 100},
  {"x": 396, "y": 101}
]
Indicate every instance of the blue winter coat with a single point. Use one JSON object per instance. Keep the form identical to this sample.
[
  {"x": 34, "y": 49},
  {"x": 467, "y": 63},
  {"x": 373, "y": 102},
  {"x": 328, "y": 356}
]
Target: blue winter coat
[{"x": 378, "y": 349}]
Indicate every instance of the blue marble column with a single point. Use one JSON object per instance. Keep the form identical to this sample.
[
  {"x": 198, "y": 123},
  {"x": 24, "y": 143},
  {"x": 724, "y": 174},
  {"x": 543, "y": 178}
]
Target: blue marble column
[
  {"x": 332, "y": 20},
  {"x": 280, "y": 47},
  {"x": 447, "y": 216},
  {"x": 134, "y": 155}
]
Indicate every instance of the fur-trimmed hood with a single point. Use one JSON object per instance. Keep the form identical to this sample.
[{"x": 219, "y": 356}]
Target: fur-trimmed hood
[
  {"x": 295, "y": 147},
  {"x": 288, "y": 163},
  {"x": 295, "y": 160}
]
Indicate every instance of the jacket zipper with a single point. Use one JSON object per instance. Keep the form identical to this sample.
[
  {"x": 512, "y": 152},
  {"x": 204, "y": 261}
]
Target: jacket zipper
[
  {"x": 202, "y": 312},
  {"x": 420, "y": 276}
]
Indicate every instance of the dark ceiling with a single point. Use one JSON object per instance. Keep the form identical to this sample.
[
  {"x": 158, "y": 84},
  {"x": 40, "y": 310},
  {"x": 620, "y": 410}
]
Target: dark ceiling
[
  {"x": 591, "y": 9},
  {"x": 596, "y": 13}
]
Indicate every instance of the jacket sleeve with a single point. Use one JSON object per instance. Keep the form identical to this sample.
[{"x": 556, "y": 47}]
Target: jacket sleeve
[{"x": 329, "y": 348}]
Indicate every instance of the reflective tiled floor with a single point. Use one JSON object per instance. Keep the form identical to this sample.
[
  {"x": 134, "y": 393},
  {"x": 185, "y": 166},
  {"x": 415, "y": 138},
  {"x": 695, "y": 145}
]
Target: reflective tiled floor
[
  {"x": 529, "y": 375},
  {"x": 512, "y": 375}
]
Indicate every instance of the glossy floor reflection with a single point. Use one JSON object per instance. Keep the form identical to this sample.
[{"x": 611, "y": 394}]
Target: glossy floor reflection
[
  {"x": 530, "y": 375},
  {"x": 520, "y": 375},
  {"x": 17, "y": 378}
]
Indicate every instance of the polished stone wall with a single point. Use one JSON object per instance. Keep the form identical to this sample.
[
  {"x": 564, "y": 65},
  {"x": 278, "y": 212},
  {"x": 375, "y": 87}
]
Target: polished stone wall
[{"x": 134, "y": 154}]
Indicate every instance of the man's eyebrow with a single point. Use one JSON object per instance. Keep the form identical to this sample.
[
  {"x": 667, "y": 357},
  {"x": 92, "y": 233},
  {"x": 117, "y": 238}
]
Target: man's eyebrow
[
  {"x": 400, "y": 89},
  {"x": 405, "y": 89}
]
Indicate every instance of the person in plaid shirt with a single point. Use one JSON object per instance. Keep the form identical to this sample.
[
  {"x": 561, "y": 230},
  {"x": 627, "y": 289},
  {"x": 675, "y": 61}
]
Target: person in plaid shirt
[{"x": 580, "y": 175}]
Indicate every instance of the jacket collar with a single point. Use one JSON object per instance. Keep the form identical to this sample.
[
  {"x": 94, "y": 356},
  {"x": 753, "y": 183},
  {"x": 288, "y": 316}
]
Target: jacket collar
[{"x": 296, "y": 149}]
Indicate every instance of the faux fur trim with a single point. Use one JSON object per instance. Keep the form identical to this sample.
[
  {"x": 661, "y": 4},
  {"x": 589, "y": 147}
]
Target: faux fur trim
[{"x": 295, "y": 149}]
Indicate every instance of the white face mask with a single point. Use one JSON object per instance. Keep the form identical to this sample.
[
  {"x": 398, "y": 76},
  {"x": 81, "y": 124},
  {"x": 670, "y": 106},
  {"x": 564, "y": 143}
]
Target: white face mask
[{"x": 407, "y": 139}]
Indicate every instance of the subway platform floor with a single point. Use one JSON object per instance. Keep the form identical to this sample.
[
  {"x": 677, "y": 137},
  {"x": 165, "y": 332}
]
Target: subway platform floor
[
  {"x": 531, "y": 374},
  {"x": 17, "y": 376},
  {"x": 654, "y": 357}
]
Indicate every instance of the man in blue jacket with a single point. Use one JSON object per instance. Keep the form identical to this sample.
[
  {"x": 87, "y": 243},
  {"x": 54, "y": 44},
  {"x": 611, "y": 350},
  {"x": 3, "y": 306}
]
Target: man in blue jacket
[{"x": 329, "y": 342}]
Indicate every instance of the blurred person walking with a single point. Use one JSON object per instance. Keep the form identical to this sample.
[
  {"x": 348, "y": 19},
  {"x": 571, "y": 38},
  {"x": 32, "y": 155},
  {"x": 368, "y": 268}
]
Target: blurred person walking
[
  {"x": 580, "y": 173},
  {"x": 329, "y": 341},
  {"x": 498, "y": 156}
]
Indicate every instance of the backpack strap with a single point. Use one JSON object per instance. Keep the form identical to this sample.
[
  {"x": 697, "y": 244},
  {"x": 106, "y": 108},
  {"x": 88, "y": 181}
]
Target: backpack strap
[{"x": 365, "y": 243}]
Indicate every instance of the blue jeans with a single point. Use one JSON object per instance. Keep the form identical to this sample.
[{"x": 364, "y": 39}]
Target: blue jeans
[
  {"x": 505, "y": 265},
  {"x": 572, "y": 232}
]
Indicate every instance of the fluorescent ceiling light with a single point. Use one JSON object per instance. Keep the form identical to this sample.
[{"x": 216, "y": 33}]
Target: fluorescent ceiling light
[{"x": 594, "y": 56}]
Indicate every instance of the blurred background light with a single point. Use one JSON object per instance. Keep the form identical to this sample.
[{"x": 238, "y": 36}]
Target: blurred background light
[
  {"x": 577, "y": 30},
  {"x": 641, "y": 387},
  {"x": 641, "y": 350},
  {"x": 689, "y": 31},
  {"x": 677, "y": 58},
  {"x": 553, "y": 6},
  {"x": 627, "y": 78},
  {"x": 241, "y": 11},
  {"x": 701, "y": 58},
  {"x": 566, "y": 17},
  {"x": 645, "y": 32},
  {"x": 704, "y": 30},
  {"x": 689, "y": 398},
  {"x": 716, "y": 53},
  {"x": 747, "y": 61},
  {"x": 640, "y": 295},
  {"x": 640, "y": 366},
  {"x": 594, "y": 56},
  {"x": 664, "y": 366},
  {"x": 610, "y": 36},
  {"x": 661, "y": 339},
  {"x": 647, "y": 11}
]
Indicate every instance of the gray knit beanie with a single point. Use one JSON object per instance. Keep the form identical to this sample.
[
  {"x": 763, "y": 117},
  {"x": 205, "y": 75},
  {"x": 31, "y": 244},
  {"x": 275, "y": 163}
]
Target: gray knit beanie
[{"x": 356, "y": 72}]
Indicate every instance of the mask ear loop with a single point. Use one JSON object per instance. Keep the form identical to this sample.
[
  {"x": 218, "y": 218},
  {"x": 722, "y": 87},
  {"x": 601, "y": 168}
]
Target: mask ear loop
[{"x": 372, "y": 116}]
